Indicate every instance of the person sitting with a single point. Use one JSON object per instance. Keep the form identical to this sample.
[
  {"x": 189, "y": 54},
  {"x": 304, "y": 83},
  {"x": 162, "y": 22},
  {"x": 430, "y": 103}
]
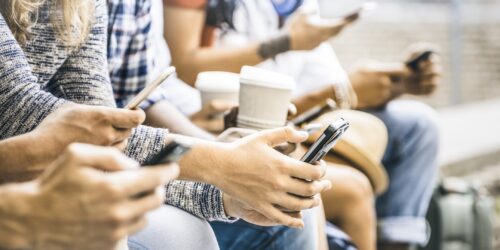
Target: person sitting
[
  {"x": 258, "y": 33},
  {"x": 87, "y": 196},
  {"x": 35, "y": 83}
]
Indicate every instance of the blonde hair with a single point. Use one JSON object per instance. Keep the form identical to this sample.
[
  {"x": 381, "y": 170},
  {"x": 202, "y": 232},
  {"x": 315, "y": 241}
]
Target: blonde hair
[{"x": 72, "y": 19}]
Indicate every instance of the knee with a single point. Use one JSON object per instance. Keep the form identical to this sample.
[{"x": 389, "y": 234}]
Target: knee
[
  {"x": 421, "y": 121},
  {"x": 173, "y": 228},
  {"x": 355, "y": 188}
]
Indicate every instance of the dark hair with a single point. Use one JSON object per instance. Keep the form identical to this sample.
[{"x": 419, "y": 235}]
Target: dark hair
[{"x": 220, "y": 13}]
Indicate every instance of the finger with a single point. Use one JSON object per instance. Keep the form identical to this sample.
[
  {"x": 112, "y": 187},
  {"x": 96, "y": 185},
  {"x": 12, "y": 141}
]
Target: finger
[
  {"x": 398, "y": 70},
  {"x": 137, "y": 225},
  {"x": 120, "y": 135},
  {"x": 304, "y": 170},
  {"x": 124, "y": 118},
  {"x": 274, "y": 137},
  {"x": 120, "y": 145},
  {"x": 139, "y": 206},
  {"x": 144, "y": 180},
  {"x": 280, "y": 217},
  {"x": 289, "y": 202},
  {"x": 286, "y": 148},
  {"x": 307, "y": 189},
  {"x": 103, "y": 158},
  {"x": 221, "y": 106},
  {"x": 292, "y": 109}
]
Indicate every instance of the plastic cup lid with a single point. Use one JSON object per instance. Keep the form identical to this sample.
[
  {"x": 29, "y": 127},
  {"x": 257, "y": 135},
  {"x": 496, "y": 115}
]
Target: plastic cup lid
[
  {"x": 217, "y": 81},
  {"x": 265, "y": 78}
]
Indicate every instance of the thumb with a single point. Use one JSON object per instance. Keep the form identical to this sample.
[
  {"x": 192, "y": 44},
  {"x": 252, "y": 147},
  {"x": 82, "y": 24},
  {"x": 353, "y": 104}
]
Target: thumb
[
  {"x": 393, "y": 70},
  {"x": 274, "y": 137},
  {"x": 220, "y": 106}
]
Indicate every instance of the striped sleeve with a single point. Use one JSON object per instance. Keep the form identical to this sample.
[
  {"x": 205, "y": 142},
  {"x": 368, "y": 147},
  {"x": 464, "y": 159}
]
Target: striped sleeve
[{"x": 22, "y": 102}]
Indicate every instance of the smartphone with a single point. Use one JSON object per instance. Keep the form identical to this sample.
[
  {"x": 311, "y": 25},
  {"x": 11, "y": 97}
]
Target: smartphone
[
  {"x": 150, "y": 88},
  {"x": 326, "y": 141},
  {"x": 346, "y": 9},
  {"x": 172, "y": 153},
  {"x": 414, "y": 62}
]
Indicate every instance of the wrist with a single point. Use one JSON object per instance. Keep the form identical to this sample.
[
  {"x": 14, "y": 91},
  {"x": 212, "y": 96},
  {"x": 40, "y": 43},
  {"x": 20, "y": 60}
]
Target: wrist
[
  {"x": 228, "y": 206},
  {"x": 202, "y": 163},
  {"x": 16, "y": 208},
  {"x": 275, "y": 46}
]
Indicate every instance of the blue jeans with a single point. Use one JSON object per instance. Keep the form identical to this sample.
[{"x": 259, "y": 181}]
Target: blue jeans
[
  {"x": 411, "y": 163},
  {"x": 243, "y": 235},
  {"x": 172, "y": 228}
]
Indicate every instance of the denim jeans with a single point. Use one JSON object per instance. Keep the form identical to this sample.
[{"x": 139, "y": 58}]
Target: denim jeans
[
  {"x": 411, "y": 163},
  {"x": 243, "y": 235},
  {"x": 172, "y": 228}
]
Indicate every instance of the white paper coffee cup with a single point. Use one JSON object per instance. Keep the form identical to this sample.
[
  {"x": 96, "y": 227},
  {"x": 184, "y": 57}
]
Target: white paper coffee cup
[
  {"x": 264, "y": 98},
  {"x": 218, "y": 85}
]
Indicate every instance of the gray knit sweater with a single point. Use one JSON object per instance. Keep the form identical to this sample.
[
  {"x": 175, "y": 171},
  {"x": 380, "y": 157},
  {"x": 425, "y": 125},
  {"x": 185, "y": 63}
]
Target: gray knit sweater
[{"x": 43, "y": 74}]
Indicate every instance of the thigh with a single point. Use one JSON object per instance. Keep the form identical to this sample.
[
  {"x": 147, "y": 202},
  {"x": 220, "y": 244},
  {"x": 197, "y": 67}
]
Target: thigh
[
  {"x": 243, "y": 235},
  {"x": 350, "y": 187},
  {"x": 172, "y": 228}
]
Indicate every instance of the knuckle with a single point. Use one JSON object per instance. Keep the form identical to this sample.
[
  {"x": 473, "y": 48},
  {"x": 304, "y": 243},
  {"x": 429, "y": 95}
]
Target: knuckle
[
  {"x": 118, "y": 216},
  {"x": 317, "y": 174},
  {"x": 72, "y": 151},
  {"x": 112, "y": 190},
  {"x": 278, "y": 184},
  {"x": 117, "y": 234},
  {"x": 311, "y": 190}
]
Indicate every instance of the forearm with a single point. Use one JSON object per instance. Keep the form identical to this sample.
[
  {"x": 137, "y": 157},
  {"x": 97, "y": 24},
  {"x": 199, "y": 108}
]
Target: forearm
[
  {"x": 215, "y": 59},
  {"x": 309, "y": 100},
  {"x": 164, "y": 115}
]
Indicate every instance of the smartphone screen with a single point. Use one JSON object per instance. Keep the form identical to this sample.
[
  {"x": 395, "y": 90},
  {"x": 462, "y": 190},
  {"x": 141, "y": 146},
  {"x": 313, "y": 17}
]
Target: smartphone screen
[
  {"x": 326, "y": 141},
  {"x": 345, "y": 8},
  {"x": 150, "y": 88}
]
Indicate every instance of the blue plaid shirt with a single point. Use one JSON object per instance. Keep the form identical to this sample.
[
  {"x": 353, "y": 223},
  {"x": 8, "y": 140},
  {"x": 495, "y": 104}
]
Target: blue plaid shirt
[{"x": 130, "y": 59}]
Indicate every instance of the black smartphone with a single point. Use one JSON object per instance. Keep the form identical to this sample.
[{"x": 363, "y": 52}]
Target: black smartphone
[
  {"x": 171, "y": 153},
  {"x": 326, "y": 141},
  {"x": 414, "y": 62}
]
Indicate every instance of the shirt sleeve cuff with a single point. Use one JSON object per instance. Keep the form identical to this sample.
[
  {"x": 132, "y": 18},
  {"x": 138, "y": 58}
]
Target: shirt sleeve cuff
[{"x": 200, "y": 199}]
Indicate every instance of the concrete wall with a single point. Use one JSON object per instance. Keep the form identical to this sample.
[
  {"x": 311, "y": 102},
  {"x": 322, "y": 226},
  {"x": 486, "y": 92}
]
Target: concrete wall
[{"x": 468, "y": 35}]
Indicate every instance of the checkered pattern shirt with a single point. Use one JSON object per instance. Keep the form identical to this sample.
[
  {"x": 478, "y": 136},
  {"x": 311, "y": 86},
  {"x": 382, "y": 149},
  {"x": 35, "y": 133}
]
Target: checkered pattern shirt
[{"x": 130, "y": 55}]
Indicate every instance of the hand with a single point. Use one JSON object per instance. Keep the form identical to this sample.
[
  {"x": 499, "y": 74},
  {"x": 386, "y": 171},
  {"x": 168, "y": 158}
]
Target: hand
[
  {"x": 88, "y": 124},
  {"x": 85, "y": 200},
  {"x": 307, "y": 35},
  {"x": 427, "y": 77},
  {"x": 262, "y": 179},
  {"x": 210, "y": 117},
  {"x": 237, "y": 209},
  {"x": 231, "y": 117},
  {"x": 372, "y": 82}
]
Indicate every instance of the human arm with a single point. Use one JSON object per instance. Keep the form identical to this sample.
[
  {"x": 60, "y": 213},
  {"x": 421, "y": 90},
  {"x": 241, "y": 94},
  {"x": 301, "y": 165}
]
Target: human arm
[
  {"x": 164, "y": 115},
  {"x": 25, "y": 156},
  {"x": 183, "y": 29},
  {"x": 87, "y": 199},
  {"x": 238, "y": 169},
  {"x": 377, "y": 83}
]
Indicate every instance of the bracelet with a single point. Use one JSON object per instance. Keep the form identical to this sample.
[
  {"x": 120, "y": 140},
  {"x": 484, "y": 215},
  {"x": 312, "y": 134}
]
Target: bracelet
[{"x": 274, "y": 46}]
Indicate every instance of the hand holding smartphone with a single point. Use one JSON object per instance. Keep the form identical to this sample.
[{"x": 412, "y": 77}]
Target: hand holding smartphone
[{"x": 150, "y": 88}]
